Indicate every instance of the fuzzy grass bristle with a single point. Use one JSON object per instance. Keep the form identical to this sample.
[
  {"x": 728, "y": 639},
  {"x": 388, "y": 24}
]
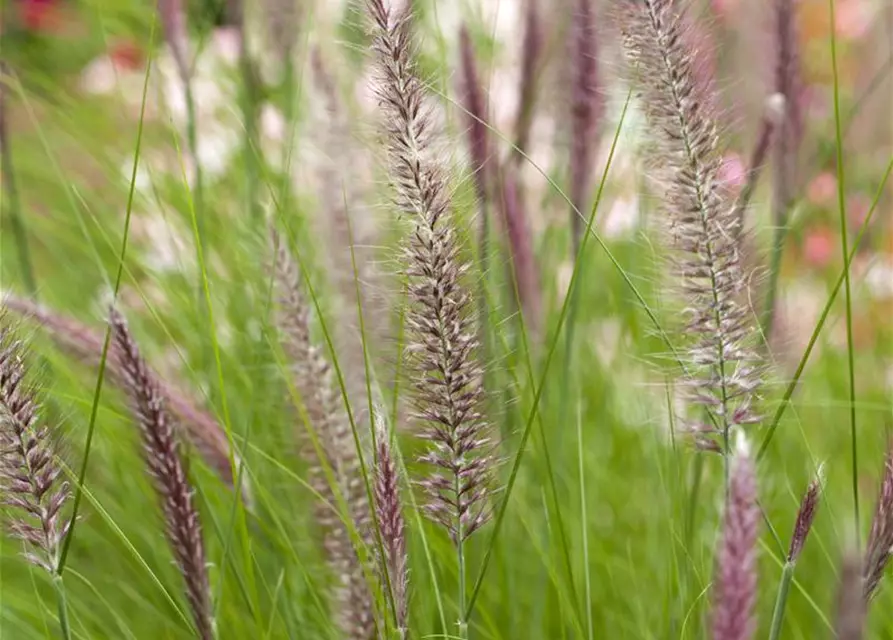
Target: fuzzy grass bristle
[
  {"x": 165, "y": 466},
  {"x": 724, "y": 372},
  {"x": 313, "y": 378},
  {"x": 442, "y": 341},
  {"x": 735, "y": 580},
  {"x": 29, "y": 468}
]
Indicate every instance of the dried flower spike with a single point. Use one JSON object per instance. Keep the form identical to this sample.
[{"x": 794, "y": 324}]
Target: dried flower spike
[
  {"x": 724, "y": 370},
  {"x": 443, "y": 344},
  {"x": 312, "y": 376},
  {"x": 531, "y": 52},
  {"x": 389, "y": 512},
  {"x": 520, "y": 242},
  {"x": 585, "y": 112},
  {"x": 162, "y": 457},
  {"x": 29, "y": 471},
  {"x": 880, "y": 540},
  {"x": 806, "y": 514},
  {"x": 735, "y": 582}
]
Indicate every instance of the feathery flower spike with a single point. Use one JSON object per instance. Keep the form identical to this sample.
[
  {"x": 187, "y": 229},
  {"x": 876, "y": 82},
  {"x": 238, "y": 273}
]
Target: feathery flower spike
[
  {"x": 203, "y": 431},
  {"x": 585, "y": 112},
  {"x": 806, "y": 514},
  {"x": 442, "y": 341},
  {"x": 312, "y": 377},
  {"x": 162, "y": 457},
  {"x": 389, "y": 512},
  {"x": 29, "y": 471},
  {"x": 880, "y": 540},
  {"x": 735, "y": 582},
  {"x": 724, "y": 373}
]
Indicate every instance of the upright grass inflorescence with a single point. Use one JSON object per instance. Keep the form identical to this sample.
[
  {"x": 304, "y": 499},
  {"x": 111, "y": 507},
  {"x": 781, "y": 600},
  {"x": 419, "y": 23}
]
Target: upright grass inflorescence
[
  {"x": 164, "y": 464},
  {"x": 585, "y": 113},
  {"x": 735, "y": 581},
  {"x": 389, "y": 512},
  {"x": 442, "y": 342},
  {"x": 880, "y": 538},
  {"x": 329, "y": 449},
  {"x": 30, "y": 470},
  {"x": 802, "y": 526},
  {"x": 789, "y": 132},
  {"x": 723, "y": 373}
]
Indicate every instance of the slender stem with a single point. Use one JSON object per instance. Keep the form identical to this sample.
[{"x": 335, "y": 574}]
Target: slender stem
[
  {"x": 841, "y": 200},
  {"x": 192, "y": 141},
  {"x": 59, "y": 587},
  {"x": 787, "y": 575},
  {"x": 460, "y": 561},
  {"x": 778, "y": 239},
  {"x": 13, "y": 202}
]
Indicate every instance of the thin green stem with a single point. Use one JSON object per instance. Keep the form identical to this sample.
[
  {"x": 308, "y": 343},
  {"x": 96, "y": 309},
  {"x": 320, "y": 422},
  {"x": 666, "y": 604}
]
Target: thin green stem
[
  {"x": 784, "y": 587},
  {"x": 779, "y": 234},
  {"x": 460, "y": 563},
  {"x": 97, "y": 391},
  {"x": 198, "y": 201},
  {"x": 841, "y": 200},
  {"x": 10, "y": 187},
  {"x": 62, "y": 603},
  {"x": 538, "y": 393}
]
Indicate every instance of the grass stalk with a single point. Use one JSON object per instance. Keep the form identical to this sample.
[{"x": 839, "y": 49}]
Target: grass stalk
[
  {"x": 784, "y": 587},
  {"x": 62, "y": 604},
  {"x": 100, "y": 377},
  {"x": 841, "y": 200},
  {"x": 10, "y": 188}
]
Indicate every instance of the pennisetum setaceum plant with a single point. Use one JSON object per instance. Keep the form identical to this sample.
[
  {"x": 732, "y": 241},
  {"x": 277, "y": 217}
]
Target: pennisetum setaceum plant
[{"x": 328, "y": 547}]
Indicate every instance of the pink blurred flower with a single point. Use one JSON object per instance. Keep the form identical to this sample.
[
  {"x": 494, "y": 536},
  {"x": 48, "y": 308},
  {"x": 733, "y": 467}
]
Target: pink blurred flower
[
  {"x": 819, "y": 246},
  {"x": 822, "y": 190},
  {"x": 857, "y": 208},
  {"x": 732, "y": 172},
  {"x": 126, "y": 55},
  {"x": 853, "y": 18}
]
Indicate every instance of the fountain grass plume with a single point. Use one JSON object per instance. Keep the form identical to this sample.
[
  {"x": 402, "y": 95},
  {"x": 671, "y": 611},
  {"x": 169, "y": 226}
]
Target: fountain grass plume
[
  {"x": 802, "y": 526},
  {"x": 585, "y": 113},
  {"x": 735, "y": 580},
  {"x": 880, "y": 539},
  {"x": 165, "y": 466},
  {"x": 724, "y": 372},
  {"x": 531, "y": 59},
  {"x": 31, "y": 491},
  {"x": 324, "y": 409},
  {"x": 442, "y": 342},
  {"x": 389, "y": 511}
]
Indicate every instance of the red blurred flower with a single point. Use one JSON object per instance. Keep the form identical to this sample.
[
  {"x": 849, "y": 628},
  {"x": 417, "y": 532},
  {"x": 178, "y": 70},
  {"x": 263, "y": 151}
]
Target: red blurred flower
[{"x": 39, "y": 15}]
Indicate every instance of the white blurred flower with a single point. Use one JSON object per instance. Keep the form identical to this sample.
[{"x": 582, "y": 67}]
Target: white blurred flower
[
  {"x": 99, "y": 77},
  {"x": 168, "y": 245},
  {"x": 622, "y": 219},
  {"x": 879, "y": 278}
]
